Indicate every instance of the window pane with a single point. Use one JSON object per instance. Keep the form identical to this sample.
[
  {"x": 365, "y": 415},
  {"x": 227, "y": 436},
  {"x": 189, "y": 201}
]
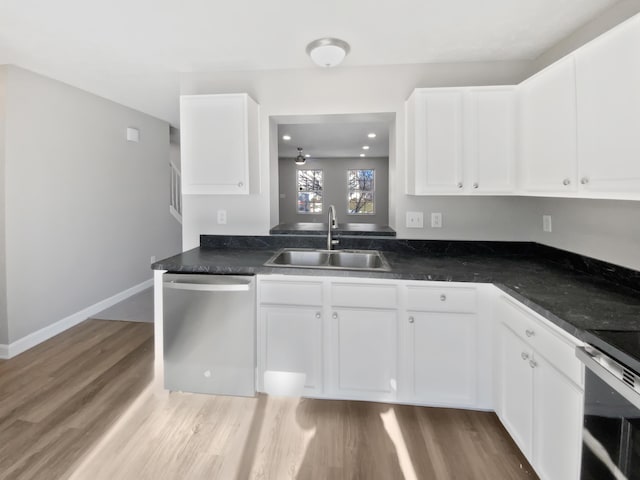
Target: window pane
[
  {"x": 361, "y": 180},
  {"x": 309, "y": 180},
  {"x": 361, "y": 192},
  {"x": 309, "y": 202},
  {"x": 361, "y": 203}
]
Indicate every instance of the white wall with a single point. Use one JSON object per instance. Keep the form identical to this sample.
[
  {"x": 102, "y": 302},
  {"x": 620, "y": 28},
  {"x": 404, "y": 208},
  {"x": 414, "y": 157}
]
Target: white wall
[
  {"x": 4, "y": 325},
  {"x": 331, "y": 91},
  {"x": 85, "y": 209},
  {"x": 604, "y": 229}
]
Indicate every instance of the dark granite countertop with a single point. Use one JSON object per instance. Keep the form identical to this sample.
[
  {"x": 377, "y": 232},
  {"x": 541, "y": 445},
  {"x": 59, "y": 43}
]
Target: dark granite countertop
[
  {"x": 569, "y": 290},
  {"x": 308, "y": 228}
]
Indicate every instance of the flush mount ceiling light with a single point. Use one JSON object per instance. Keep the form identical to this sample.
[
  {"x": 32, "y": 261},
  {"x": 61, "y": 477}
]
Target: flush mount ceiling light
[
  {"x": 300, "y": 159},
  {"x": 286, "y": 137},
  {"x": 372, "y": 135},
  {"x": 328, "y": 52}
]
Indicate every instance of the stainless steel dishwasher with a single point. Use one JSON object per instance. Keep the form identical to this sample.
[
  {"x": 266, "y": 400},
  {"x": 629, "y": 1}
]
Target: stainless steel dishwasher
[{"x": 209, "y": 333}]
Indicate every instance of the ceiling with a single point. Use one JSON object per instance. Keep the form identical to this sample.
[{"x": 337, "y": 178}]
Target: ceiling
[
  {"x": 334, "y": 140},
  {"x": 132, "y": 51}
]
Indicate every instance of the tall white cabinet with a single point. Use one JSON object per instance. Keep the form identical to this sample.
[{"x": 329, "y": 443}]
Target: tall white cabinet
[
  {"x": 219, "y": 137},
  {"x": 548, "y": 149},
  {"x": 608, "y": 80}
]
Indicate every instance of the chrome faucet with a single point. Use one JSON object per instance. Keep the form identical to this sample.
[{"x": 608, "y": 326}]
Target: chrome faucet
[{"x": 332, "y": 223}]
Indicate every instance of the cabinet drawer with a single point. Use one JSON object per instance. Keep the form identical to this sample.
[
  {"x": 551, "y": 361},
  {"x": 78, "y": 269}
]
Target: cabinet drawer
[
  {"x": 285, "y": 292},
  {"x": 544, "y": 341},
  {"x": 364, "y": 295},
  {"x": 442, "y": 299}
]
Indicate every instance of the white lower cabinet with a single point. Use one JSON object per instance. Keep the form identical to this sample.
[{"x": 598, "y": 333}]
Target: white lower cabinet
[
  {"x": 539, "y": 402},
  {"x": 442, "y": 359},
  {"x": 364, "y": 353},
  {"x": 292, "y": 344},
  {"x": 426, "y": 343}
]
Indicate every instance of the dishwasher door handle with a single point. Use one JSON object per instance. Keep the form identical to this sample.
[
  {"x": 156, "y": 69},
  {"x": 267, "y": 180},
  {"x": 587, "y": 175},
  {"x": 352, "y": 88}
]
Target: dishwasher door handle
[{"x": 208, "y": 283}]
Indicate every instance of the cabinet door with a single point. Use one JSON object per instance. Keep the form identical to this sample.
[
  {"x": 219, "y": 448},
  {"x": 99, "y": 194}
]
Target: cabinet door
[
  {"x": 557, "y": 414},
  {"x": 490, "y": 143},
  {"x": 291, "y": 344},
  {"x": 215, "y": 143},
  {"x": 442, "y": 351},
  {"x": 437, "y": 132},
  {"x": 515, "y": 388},
  {"x": 548, "y": 129},
  {"x": 608, "y": 76},
  {"x": 365, "y": 353}
]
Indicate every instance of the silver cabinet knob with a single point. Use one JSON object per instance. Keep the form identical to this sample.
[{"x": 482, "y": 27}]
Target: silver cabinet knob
[
  {"x": 475, "y": 185},
  {"x": 584, "y": 180},
  {"x": 443, "y": 298},
  {"x": 460, "y": 185},
  {"x": 533, "y": 363},
  {"x": 411, "y": 319},
  {"x": 240, "y": 184},
  {"x": 334, "y": 316},
  {"x": 318, "y": 315},
  {"x": 566, "y": 182},
  {"x": 529, "y": 333},
  {"x": 524, "y": 355}
]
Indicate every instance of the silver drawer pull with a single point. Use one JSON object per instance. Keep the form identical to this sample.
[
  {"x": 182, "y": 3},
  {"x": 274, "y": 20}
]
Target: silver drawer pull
[
  {"x": 584, "y": 180},
  {"x": 460, "y": 185},
  {"x": 411, "y": 319},
  {"x": 240, "y": 184},
  {"x": 533, "y": 363},
  {"x": 318, "y": 315},
  {"x": 566, "y": 182},
  {"x": 475, "y": 185},
  {"x": 524, "y": 355},
  {"x": 443, "y": 297},
  {"x": 334, "y": 316},
  {"x": 529, "y": 333}
]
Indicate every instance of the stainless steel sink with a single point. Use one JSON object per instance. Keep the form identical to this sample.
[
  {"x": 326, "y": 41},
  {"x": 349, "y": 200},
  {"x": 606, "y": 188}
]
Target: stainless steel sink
[
  {"x": 300, "y": 258},
  {"x": 329, "y": 259},
  {"x": 357, "y": 260}
]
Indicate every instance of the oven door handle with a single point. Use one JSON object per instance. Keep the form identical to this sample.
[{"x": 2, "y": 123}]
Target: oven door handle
[{"x": 608, "y": 377}]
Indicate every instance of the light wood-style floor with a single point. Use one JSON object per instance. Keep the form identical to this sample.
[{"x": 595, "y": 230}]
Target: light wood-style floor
[{"x": 78, "y": 407}]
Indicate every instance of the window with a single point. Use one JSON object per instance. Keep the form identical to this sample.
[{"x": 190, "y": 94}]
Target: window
[
  {"x": 361, "y": 194},
  {"x": 309, "y": 191}
]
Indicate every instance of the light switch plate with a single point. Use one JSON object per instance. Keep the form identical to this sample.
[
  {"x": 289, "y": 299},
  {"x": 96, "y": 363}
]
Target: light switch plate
[
  {"x": 546, "y": 223},
  {"x": 436, "y": 220},
  {"x": 415, "y": 220},
  {"x": 222, "y": 217}
]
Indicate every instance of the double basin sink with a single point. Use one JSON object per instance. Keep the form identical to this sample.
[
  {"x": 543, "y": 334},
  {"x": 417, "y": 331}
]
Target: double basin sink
[{"x": 330, "y": 259}]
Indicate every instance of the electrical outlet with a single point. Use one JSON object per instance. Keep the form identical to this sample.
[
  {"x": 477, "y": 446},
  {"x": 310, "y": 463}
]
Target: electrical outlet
[
  {"x": 415, "y": 220},
  {"x": 546, "y": 223},
  {"x": 436, "y": 220},
  {"x": 222, "y": 217}
]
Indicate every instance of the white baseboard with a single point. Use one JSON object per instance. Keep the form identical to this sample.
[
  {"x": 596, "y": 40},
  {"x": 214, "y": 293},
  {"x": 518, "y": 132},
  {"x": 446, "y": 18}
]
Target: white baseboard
[{"x": 39, "y": 336}]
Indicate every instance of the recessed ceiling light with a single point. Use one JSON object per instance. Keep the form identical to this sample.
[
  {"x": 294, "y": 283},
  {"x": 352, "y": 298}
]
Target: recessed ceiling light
[
  {"x": 365, "y": 147},
  {"x": 372, "y": 135},
  {"x": 286, "y": 137},
  {"x": 362, "y": 154}
]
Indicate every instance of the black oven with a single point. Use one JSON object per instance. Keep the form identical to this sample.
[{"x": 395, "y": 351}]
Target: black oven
[{"x": 611, "y": 433}]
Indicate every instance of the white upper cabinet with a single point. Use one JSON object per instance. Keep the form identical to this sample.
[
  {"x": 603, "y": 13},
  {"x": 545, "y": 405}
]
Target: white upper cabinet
[
  {"x": 219, "y": 144},
  {"x": 434, "y": 141},
  {"x": 547, "y": 106},
  {"x": 490, "y": 140},
  {"x": 608, "y": 92},
  {"x": 460, "y": 140}
]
